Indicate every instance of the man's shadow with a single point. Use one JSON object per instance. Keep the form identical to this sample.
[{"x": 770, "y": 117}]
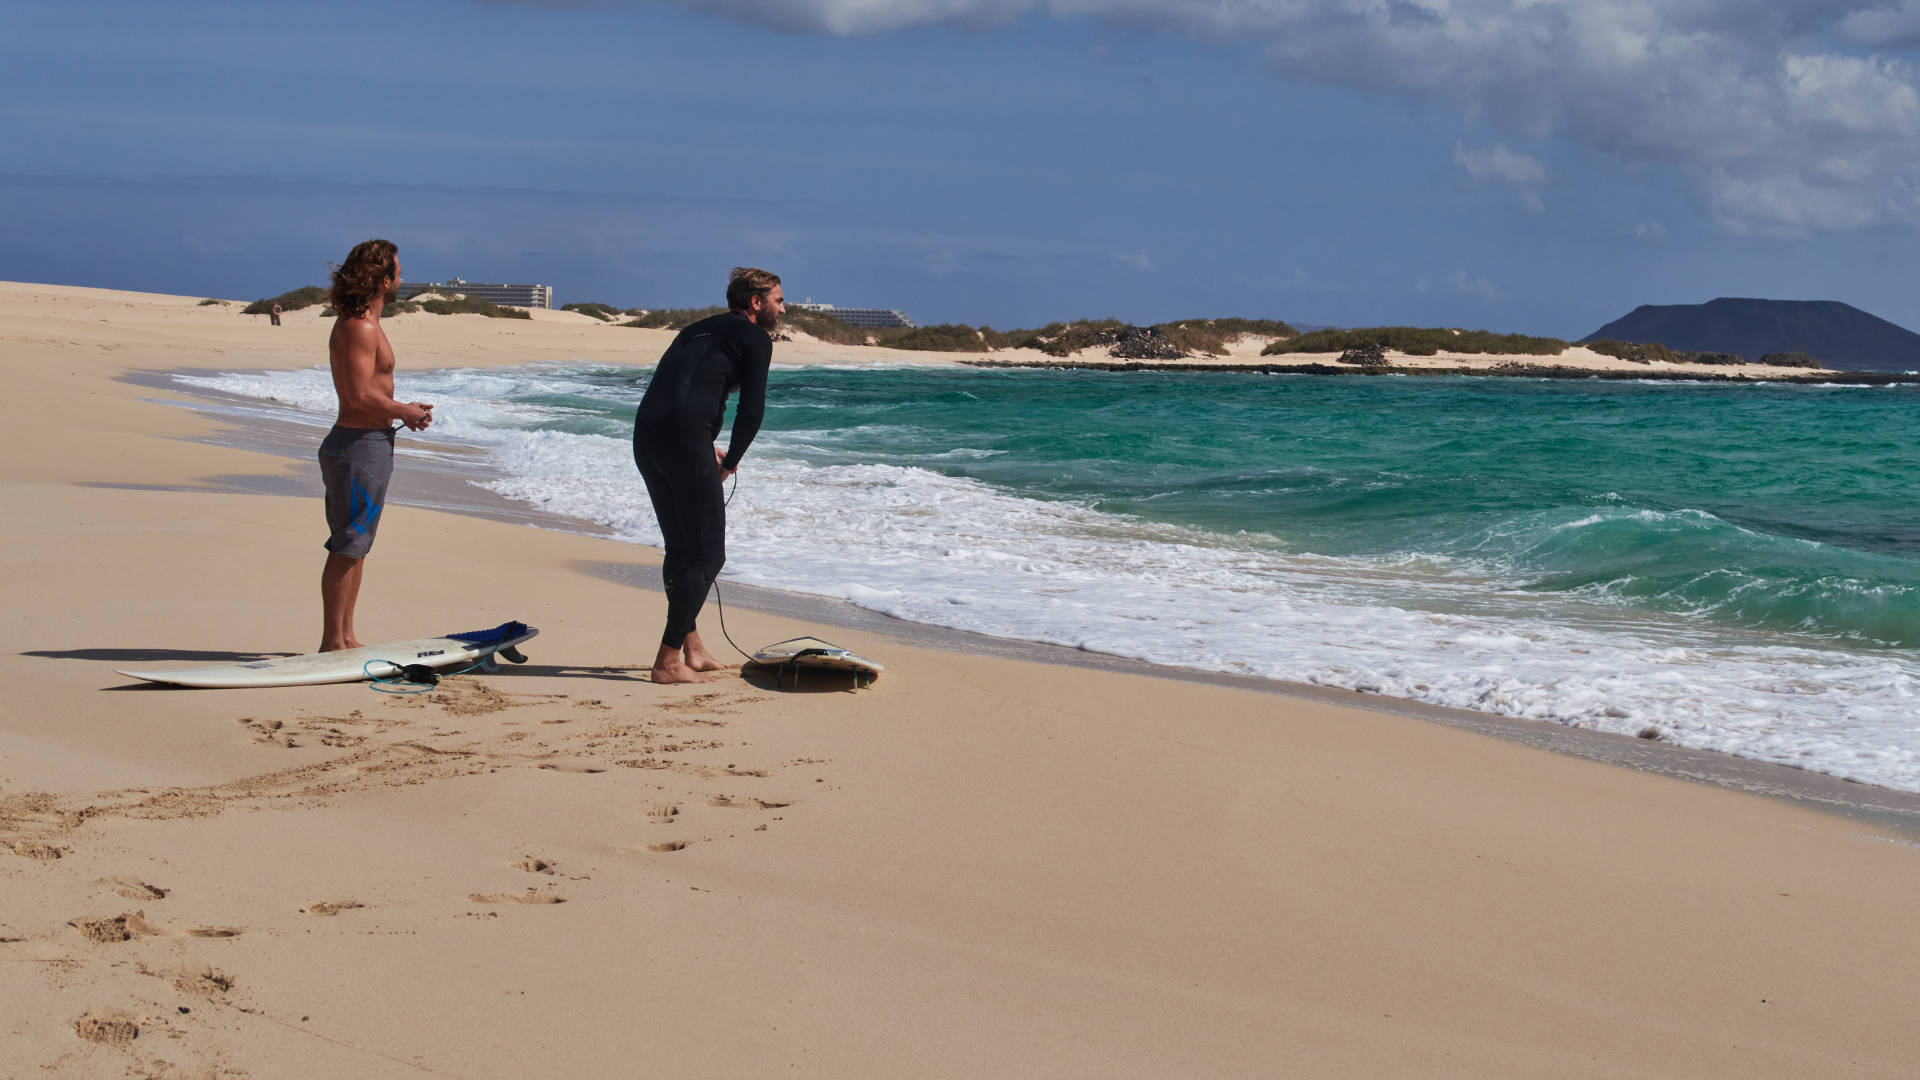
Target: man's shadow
[
  {"x": 141, "y": 656},
  {"x": 801, "y": 680}
]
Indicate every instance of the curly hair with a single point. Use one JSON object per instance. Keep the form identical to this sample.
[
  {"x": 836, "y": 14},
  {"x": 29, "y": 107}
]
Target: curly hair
[
  {"x": 360, "y": 279},
  {"x": 747, "y": 282}
]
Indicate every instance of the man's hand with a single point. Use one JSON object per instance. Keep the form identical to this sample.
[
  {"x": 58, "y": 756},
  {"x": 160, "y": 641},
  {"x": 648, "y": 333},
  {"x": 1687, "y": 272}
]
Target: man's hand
[
  {"x": 418, "y": 416},
  {"x": 720, "y": 462}
]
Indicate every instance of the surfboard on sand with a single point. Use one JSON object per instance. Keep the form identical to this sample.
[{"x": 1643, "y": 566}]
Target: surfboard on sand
[
  {"x": 811, "y": 652},
  {"x": 353, "y": 665}
]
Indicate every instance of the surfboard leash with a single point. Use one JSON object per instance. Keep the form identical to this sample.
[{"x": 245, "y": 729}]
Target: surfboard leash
[
  {"x": 419, "y": 677},
  {"x": 718, "y": 605}
]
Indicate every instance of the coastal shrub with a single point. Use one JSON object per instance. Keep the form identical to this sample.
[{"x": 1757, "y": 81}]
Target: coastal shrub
[
  {"x": 466, "y": 305},
  {"x": 1418, "y": 341},
  {"x": 825, "y": 326},
  {"x": 292, "y": 300},
  {"x": 603, "y": 312},
  {"x": 1212, "y": 336},
  {"x": 1365, "y": 356},
  {"x": 387, "y": 310},
  {"x": 941, "y": 337},
  {"x": 1639, "y": 352},
  {"x": 1065, "y": 339},
  {"x": 1709, "y": 358},
  {"x": 671, "y": 318},
  {"x": 1789, "y": 359},
  {"x": 209, "y": 301}
]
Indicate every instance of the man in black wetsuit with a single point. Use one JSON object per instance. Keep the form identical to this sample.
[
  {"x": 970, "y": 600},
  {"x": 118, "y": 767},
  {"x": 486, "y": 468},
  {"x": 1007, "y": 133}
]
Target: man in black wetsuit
[{"x": 673, "y": 432}]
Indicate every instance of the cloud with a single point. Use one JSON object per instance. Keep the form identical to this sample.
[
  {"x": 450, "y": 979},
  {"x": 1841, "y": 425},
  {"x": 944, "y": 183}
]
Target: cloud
[
  {"x": 1468, "y": 285},
  {"x": 1499, "y": 163},
  {"x": 1505, "y": 166},
  {"x": 1780, "y": 128},
  {"x": 1884, "y": 27}
]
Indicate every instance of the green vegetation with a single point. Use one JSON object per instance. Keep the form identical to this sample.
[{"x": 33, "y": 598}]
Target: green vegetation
[
  {"x": 288, "y": 301},
  {"x": 670, "y": 318},
  {"x": 1639, "y": 352},
  {"x": 1212, "y": 336},
  {"x": 1065, "y": 339},
  {"x": 1643, "y": 352},
  {"x": 1416, "y": 341},
  {"x": 942, "y": 337},
  {"x": 467, "y": 305},
  {"x": 826, "y": 327},
  {"x": 1168, "y": 340},
  {"x": 603, "y": 312},
  {"x": 387, "y": 310},
  {"x": 210, "y": 301}
]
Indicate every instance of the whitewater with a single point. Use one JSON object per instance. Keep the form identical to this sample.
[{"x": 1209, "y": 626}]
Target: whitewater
[{"x": 1728, "y": 568}]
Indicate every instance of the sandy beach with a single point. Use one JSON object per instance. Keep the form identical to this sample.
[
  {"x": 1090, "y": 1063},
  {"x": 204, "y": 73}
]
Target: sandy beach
[{"x": 982, "y": 866}]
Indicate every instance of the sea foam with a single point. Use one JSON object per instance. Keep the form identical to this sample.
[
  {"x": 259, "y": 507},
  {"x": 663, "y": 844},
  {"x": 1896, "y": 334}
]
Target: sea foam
[{"x": 906, "y": 540}]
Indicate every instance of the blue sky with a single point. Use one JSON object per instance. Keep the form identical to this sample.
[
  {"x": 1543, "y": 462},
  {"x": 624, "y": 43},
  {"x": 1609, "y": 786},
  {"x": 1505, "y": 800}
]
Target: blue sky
[{"x": 1530, "y": 165}]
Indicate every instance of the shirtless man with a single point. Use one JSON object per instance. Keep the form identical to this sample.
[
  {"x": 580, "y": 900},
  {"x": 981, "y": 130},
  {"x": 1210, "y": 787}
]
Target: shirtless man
[
  {"x": 673, "y": 431},
  {"x": 356, "y": 458}
]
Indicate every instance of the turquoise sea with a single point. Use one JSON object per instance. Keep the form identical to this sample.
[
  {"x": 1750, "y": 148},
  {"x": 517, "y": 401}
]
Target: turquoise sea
[{"x": 1731, "y": 567}]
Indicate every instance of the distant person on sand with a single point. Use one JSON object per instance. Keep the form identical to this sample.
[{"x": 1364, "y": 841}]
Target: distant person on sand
[
  {"x": 679, "y": 417},
  {"x": 275, "y": 314},
  {"x": 356, "y": 457}
]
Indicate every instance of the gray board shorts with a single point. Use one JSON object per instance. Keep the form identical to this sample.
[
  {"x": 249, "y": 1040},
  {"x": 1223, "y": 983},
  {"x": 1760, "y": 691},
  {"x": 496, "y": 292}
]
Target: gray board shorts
[{"x": 355, "y": 465}]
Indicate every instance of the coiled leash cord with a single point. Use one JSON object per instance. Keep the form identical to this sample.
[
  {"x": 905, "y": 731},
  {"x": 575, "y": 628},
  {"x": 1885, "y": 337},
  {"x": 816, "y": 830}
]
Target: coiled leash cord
[{"x": 417, "y": 678}]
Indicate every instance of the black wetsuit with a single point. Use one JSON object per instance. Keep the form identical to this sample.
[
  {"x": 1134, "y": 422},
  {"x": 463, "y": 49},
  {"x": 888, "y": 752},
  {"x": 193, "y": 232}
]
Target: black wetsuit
[{"x": 673, "y": 432}]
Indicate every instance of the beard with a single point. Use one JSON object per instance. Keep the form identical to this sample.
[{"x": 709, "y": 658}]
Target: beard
[{"x": 767, "y": 320}]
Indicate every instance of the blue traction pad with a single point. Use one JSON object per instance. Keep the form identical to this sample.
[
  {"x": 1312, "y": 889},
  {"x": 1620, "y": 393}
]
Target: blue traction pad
[{"x": 499, "y": 633}]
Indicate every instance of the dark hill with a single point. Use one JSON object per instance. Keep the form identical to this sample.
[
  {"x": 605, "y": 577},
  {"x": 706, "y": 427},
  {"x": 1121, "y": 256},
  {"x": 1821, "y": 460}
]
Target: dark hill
[{"x": 1838, "y": 335}]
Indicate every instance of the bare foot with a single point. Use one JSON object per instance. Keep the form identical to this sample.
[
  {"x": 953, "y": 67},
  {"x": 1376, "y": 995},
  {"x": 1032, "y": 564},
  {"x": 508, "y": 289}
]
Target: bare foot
[
  {"x": 677, "y": 672},
  {"x": 697, "y": 657},
  {"x": 703, "y": 661},
  {"x": 342, "y": 646}
]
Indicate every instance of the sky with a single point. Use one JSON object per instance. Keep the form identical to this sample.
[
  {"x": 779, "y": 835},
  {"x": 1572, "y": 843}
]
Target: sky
[{"x": 1536, "y": 166}]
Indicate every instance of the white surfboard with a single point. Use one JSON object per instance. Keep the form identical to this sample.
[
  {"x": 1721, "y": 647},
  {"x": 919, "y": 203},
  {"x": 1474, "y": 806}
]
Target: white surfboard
[
  {"x": 353, "y": 665},
  {"x": 811, "y": 652}
]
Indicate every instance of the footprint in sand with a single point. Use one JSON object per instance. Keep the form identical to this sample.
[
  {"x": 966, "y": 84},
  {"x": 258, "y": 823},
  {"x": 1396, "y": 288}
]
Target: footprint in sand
[
  {"x": 110, "y": 929},
  {"x": 668, "y": 845},
  {"x": 129, "y": 926},
  {"x": 34, "y": 849},
  {"x": 269, "y": 732},
  {"x": 134, "y": 888},
  {"x": 331, "y": 907},
  {"x": 662, "y": 813},
  {"x": 745, "y": 803},
  {"x": 517, "y": 898},
  {"x": 534, "y": 865},
  {"x": 571, "y": 767},
  {"x": 201, "y": 980},
  {"x": 112, "y": 1027}
]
